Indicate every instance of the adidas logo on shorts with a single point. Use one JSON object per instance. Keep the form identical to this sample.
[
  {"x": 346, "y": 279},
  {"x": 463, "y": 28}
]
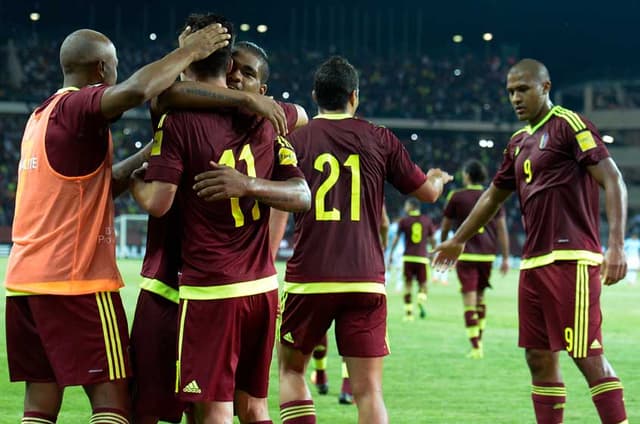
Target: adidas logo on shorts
[{"x": 192, "y": 388}]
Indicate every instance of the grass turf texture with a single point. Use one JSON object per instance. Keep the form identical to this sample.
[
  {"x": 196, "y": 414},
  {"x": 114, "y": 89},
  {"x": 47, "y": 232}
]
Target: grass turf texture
[{"x": 427, "y": 377}]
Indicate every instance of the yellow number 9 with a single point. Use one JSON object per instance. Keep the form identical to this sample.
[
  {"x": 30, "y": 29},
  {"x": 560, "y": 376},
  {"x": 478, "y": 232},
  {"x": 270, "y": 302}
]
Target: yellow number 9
[
  {"x": 568, "y": 337},
  {"x": 527, "y": 171}
]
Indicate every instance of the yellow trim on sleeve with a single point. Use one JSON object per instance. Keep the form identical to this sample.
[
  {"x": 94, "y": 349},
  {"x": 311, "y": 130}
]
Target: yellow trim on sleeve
[
  {"x": 228, "y": 291},
  {"x": 477, "y": 257},
  {"x": 161, "y": 289},
  {"x": 334, "y": 287},
  {"x": 415, "y": 259},
  {"x": 584, "y": 256}
]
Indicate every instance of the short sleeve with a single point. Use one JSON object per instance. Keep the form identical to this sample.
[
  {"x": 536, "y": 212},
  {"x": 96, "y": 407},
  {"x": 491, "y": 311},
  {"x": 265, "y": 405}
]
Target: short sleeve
[
  {"x": 166, "y": 163},
  {"x": 290, "y": 113},
  {"x": 505, "y": 178},
  {"x": 586, "y": 143},
  {"x": 450, "y": 207},
  {"x": 401, "y": 172},
  {"x": 285, "y": 161},
  {"x": 83, "y": 107}
]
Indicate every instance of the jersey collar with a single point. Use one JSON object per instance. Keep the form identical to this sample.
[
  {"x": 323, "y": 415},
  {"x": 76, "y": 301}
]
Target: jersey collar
[
  {"x": 532, "y": 130},
  {"x": 475, "y": 187},
  {"x": 65, "y": 89},
  {"x": 333, "y": 116},
  {"x": 414, "y": 213}
]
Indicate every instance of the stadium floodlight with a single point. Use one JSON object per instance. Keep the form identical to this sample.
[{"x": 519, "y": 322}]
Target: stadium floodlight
[
  {"x": 487, "y": 36},
  {"x": 285, "y": 95},
  {"x": 607, "y": 138},
  {"x": 490, "y": 144},
  {"x": 153, "y": 36},
  {"x": 414, "y": 137},
  {"x": 245, "y": 27},
  {"x": 262, "y": 28},
  {"x": 138, "y": 144},
  {"x": 482, "y": 143},
  {"x": 457, "y": 38},
  {"x": 34, "y": 16},
  {"x": 457, "y": 72}
]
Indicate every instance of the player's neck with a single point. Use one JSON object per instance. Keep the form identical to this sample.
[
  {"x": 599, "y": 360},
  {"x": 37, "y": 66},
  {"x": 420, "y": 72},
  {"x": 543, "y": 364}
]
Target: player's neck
[
  {"x": 219, "y": 81},
  {"x": 543, "y": 112},
  {"x": 345, "y": 111},
  {"x": 78, "y": 81}
]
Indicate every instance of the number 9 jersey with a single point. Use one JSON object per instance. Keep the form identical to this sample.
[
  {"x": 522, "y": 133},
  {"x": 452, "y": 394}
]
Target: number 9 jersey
[
  {"x": 547, "y": 166},
  {"x": 346, "y": 162}
]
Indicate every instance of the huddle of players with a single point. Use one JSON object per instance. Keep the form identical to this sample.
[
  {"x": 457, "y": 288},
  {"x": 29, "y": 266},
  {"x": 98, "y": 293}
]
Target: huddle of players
[{"x": 209, "y": 270}]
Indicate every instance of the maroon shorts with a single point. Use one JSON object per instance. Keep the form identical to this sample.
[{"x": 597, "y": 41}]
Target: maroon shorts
[
  {"x": 416, "y": 270},
  {"x": 226, "y": 345},
  {"x": 473, "y": 276},
  {"x": 69, "y": 340},
  {"x": 559, "y": 308},
  {"x": 154, "y": 340},
  {"x": 360, "y": 320}
]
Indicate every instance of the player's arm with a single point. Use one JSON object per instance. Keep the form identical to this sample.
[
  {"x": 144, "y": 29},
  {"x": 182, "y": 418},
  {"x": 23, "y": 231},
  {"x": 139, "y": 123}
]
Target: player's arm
[
  {"x": 503, "y": 243},
  {"x": 445, "y": 227},
  {"x": 200, "y": 95},
  {"x": 384, "y": 227},
  {"x": 277, "y": 226},
  {"x": 152, "y": 79},
  {"x": 223, "y": 182},
  {"x": 121, "y": 171},
  {"x": 432, "y": 188},
  {"x": 486, "y": 207},
  {"x": 155, "y": 197},
  {"x": 394, "y": 243},
  {"x": 608, "y": 176},
  {"x": 303, "y": 118}
]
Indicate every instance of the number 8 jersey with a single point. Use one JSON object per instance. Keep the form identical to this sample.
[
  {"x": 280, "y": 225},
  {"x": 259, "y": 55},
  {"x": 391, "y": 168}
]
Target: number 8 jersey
[
  {"x": 336, "y": 243},
  {"x": 547, "y": 166}
]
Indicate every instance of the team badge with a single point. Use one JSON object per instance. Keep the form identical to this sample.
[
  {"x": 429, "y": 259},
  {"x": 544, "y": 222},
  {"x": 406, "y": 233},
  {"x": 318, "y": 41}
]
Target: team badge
[{"x": 543, "y": 141}]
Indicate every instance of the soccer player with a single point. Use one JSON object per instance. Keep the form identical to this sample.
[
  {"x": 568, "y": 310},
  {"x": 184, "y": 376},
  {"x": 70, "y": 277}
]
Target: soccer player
[
  {"x": 556, "y": 164},
  {"x": 418, "y": 230},
  {"x": 154, "y": 330},
  {"x": 337, "y": 268},
  {"x": 70, "y": 328},
  {"x": 228, "y": 286},
  {"x": 474, "y": 265}
]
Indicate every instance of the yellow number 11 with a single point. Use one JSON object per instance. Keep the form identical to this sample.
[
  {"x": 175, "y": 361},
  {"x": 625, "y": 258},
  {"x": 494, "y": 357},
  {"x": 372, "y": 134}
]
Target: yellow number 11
[{"x": 228, "y": 159}]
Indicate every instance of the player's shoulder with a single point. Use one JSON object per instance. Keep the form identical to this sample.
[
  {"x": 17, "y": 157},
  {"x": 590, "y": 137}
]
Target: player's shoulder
[
  {"x": 571, "y": 119},
  {"x": 519, "y": 134},
  {"x": 455, "y": 192}
]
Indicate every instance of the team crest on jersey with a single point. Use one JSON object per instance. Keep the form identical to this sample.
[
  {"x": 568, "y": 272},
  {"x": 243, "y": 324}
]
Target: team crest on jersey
[{"x": 543, "y": 141}]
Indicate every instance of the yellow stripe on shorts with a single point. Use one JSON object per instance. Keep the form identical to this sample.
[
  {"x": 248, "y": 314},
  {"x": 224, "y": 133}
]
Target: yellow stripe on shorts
[
  {"x": 105, "y": 333},
  {"x": 581, "y": 312}
]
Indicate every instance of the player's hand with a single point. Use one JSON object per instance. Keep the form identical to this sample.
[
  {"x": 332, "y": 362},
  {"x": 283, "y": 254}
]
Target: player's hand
[
  {"x": 435, "y": 173},
  {"x": 614, "y": 267},
  {"x": 446, "y": 254},
  {"x": 205, "y": 41},
  {"x": 504, "y": 266},
  {"x": 222, "y": 182},
  {"x": 270, "y": 109}
]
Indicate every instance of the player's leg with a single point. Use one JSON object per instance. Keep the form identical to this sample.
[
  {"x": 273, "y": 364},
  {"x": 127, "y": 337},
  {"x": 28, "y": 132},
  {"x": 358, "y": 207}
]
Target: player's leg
[
  {"x": 468, "y": 276},
  {"x": 28, "y": 362},
  {"x": 366, "y": 383},
  {"x": 213, "y": 412},
  {"x": 305, "y": 320},
  {"x": 548, "y": 392},
  {"x": 319, "y": 375},
  {"x": 361, "y": 338},
  {"x": 346, "y": 393},
  {"x": 484, "y": 275},
  {"x": 408, "y": 288},
  {"x": 586, "y": 347},
  {"x": 423, "y": 274}
]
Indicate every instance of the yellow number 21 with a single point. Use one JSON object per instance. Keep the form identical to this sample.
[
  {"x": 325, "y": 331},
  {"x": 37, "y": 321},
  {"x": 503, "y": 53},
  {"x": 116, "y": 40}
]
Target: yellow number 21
[{"x": 352, "y": 162}]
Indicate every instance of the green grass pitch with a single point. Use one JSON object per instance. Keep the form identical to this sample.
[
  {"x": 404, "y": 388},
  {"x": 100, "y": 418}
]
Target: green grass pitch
[{"x": 427, "y": 377}]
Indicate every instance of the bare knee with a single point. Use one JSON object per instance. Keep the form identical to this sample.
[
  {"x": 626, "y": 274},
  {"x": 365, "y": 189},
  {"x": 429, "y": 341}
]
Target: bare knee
[
  {"x": 112, "y": 394},
  {"x": 543, "y": 365},
  {"x": 595, "y": 368},
  {"x": 43, "y": 397}
]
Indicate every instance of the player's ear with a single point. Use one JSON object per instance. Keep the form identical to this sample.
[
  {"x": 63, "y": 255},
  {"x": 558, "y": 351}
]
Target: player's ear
[
  {"x": 101, "y": 70},
  {"x": 546, "y": 87},
  {"x": 263, "y": 89},
  {"x": 354, "y": 98},
  {"x": 229, "y": 65}
]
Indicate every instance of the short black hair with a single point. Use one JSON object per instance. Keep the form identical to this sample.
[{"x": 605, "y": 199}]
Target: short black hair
[
  {"x": 259, "y": 52},
  {"x": 334, "y": 82},
  {"x": 476, "y": 171},
  {"x": 216, "y": 63}
]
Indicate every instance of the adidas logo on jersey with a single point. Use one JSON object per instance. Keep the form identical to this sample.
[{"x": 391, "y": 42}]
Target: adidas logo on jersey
[
  {"x": 192, "y": 388},
  {"x": 288, "y": 337},
  {"x": 595, "y": 345}
]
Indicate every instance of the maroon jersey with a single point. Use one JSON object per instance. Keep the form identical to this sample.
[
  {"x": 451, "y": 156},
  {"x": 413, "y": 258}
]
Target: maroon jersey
[
  {"x": 223, "y": 242},
  {"x": 483, "y": 246},
  {"x": 547, "y": 165},
  {"x": 345, "y": 161},
  {"x": 417, "y": 230}
]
